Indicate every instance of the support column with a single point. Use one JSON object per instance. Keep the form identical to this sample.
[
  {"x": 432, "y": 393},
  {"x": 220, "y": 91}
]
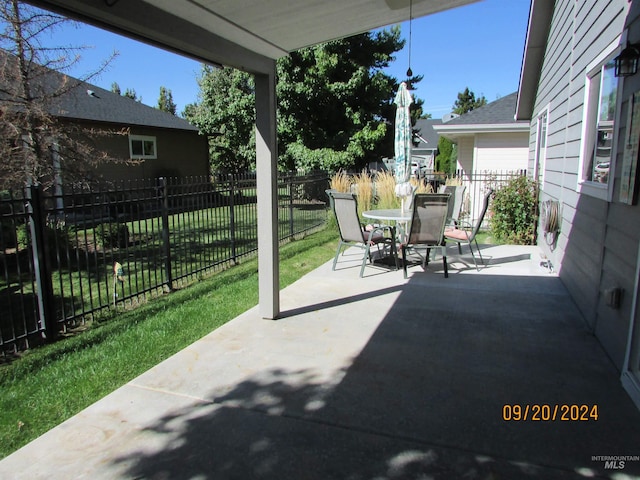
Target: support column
[{"x": 267, "y": 183}]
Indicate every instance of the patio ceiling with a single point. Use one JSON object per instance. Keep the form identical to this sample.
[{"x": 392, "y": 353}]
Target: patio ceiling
[{"x": 242, "y": 33}]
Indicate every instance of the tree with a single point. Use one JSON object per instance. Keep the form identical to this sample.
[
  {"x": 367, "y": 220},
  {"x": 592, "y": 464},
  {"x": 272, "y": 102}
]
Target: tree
[
  {"x": 335, "y": 106},
  {"x": 165, "y": 101},
  {"x": 131, "y": 93},
  {"x": 467, "y": 101},
  {"x": 445, "y": 161},
  {"x": 39, "y": 147},
  {"x": 225, "y": 112}
]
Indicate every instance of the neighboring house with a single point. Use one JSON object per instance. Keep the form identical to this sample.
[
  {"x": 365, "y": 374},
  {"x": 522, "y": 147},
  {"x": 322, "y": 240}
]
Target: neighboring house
[
  {"x": 426, "y": 148},
  {"x": 583, "y": 147},
  {"x": 161, "y": 143},
  {"x": 489, "y": 138}
]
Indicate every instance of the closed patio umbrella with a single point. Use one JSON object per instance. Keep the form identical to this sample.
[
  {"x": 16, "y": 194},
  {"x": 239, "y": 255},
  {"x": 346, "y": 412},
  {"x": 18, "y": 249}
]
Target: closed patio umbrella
[{"x": 402, "y": 143}]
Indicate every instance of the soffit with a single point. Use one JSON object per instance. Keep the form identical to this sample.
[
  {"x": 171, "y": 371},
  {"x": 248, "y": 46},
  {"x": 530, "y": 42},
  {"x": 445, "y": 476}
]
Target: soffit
[{"x": 243, "y": 33}]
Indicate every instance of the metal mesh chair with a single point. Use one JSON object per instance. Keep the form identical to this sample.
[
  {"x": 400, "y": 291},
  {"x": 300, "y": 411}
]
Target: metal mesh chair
[
  {"x": 427, "y": 227},
  {"x": 354, "y": 234},
  {"x": 455, "y": 202},
  {"x": 465, "y": 233}
]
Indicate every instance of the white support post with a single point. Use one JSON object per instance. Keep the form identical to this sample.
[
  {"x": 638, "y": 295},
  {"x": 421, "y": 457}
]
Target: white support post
[{"x": 267, "y": 184}]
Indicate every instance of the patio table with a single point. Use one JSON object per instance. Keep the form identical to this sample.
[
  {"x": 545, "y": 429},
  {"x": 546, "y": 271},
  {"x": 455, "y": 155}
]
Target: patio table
[{"x": 396, "y": 215}]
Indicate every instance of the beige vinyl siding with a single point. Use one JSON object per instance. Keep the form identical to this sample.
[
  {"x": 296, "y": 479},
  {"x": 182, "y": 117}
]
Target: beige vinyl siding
[
  {"x": 501, "y": 151},
  {"x": 465, "y": 154}
]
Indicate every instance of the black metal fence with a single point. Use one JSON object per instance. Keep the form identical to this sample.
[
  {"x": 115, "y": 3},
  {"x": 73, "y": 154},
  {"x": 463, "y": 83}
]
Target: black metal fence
[
  {"x": 67, "y": 256},
  {"x": 478, "y": 184}
]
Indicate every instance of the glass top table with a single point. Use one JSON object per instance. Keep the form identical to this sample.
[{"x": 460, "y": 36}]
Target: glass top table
[
  {"x": 396, "y": 215},
  {"x": 389, "y": 214}
]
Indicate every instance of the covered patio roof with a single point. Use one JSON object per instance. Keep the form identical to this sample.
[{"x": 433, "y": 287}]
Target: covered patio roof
[
  {"x": 242, "y": 33},
  {"x": 249, "y": 35}
]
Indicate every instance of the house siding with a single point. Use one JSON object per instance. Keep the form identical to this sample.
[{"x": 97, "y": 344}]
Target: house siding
[
  {"x": 465, "y": 154},
  {"x": 501, "y": 151},
  {"x": 597, "y": 246},
  {"x": 180, "y": 153}
]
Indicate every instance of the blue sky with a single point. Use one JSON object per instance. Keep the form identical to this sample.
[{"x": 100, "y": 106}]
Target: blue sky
[{"x": 478, "y": 46}]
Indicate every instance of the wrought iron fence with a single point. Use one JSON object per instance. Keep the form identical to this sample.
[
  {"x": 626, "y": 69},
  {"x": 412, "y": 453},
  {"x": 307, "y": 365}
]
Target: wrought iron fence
[
  {"x": 67, "y": 256},
  {"x": 478, "y": 184}
]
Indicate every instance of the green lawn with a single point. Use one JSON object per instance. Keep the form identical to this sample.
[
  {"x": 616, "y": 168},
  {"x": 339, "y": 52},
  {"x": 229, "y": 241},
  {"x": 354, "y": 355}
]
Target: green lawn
[{"x": 50, "y": 384}]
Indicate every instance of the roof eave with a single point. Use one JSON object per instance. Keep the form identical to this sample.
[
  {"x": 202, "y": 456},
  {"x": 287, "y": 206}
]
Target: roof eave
[
  {"x": 482, "y": 128},
  {"x": 540, "y": 15}
]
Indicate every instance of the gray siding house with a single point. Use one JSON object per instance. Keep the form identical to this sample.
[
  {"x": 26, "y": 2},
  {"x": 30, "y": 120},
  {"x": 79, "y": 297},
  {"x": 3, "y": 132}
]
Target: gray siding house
[{"x": 583, "y": 148}]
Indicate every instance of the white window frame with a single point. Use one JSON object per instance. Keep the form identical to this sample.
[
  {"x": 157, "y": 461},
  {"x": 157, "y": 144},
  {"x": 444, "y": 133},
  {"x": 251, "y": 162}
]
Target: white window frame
[
  {"x": 542, "y": 139},
  {"x": 603, "y": 191},
  {"x": 143, "y": 139}
]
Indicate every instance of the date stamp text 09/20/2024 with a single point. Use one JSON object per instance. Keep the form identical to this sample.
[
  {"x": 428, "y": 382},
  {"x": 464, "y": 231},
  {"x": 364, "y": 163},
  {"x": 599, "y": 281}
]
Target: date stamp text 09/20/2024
[{"x": 549, "y": 413}]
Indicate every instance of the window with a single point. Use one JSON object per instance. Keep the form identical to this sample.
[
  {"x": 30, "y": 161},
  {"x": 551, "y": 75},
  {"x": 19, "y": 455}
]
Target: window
[
  {"x": 541, "y": 146},
  {"x": 599, "y": 125},
  {"x": 141, "y": 146}
]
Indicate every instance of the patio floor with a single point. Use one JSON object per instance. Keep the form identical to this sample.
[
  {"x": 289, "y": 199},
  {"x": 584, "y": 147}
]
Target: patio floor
[{"x": 372, "y": 378}]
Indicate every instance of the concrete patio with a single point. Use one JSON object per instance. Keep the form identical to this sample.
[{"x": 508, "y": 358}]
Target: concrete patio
[{"x": 372, "y": 378}]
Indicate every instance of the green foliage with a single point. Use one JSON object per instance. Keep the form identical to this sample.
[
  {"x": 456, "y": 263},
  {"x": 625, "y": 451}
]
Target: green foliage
[
  {"x": 225, "y": 112},
  {"x": 514, "y": 211},
  {"x": 318, "y": 159},
  {"x": 131, "y": 93},
  {"x": 334, "y": 106},
  {"x": 336, "y": 97},
  {"x": 467, "y": 101},
  {"x": 111, "y": 235},
  {"x": 165, "y": 101},
  {"x": 445, "y": 160},
  {"x": 56, "y": 236}
]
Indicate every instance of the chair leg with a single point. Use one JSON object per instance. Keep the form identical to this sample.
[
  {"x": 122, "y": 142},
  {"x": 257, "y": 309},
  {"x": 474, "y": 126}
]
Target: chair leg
[
  {"x": 335, "y": 259},
  {"x": 473, "y": 256},
  {"x": 366, "y": 256},
  {"x": 479, "y": 252},
  {"x": 404, "y": 259},
  {"x": 444, "y": 261}
]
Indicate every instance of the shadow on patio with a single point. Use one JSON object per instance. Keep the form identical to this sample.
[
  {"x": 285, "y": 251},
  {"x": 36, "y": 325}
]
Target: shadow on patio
[{"x": 373, "y": 378}]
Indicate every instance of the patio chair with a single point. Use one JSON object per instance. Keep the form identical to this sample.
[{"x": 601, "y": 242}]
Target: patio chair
[
  {"x": 427, "y": 227},
  {"x": 455, "y": 204},
  {"x": 465, "y": 234},
  {"x": 354, "y": 234}
]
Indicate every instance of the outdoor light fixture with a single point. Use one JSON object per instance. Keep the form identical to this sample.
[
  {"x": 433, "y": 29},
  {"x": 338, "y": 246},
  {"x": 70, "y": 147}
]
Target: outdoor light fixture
[
  {"x": 627, "y": 62},
  {"x": 409, "y": 71}
]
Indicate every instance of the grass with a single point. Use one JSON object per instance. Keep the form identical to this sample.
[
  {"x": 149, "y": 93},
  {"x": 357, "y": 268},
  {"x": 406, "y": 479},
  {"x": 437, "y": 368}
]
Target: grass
[
  {"x": 50, "y": 384},
  {"x": 200, "y": 242}
]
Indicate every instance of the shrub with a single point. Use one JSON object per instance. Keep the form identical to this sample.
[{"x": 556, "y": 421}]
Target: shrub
[
  {"x": 514, "y": 212},
  {"x": 110, "y": 235},
  {"x": 56, "y": 236}
]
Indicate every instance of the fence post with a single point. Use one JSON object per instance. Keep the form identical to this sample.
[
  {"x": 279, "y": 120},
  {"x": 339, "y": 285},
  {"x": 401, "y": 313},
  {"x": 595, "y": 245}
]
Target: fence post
[
  {"x": 290, "y": 181},
  {"x": 232, "y": 218},
  {"x": 41, "y": 262},
  {"x": 166, "y": 242}
]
